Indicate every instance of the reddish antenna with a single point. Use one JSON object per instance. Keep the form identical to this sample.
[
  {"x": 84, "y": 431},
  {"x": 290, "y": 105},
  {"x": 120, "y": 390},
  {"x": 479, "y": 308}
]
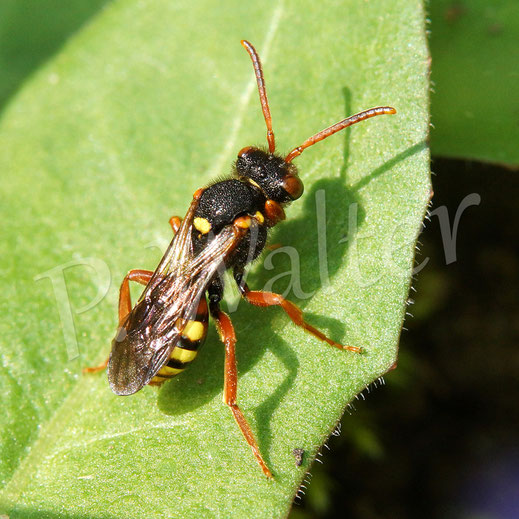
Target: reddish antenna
[
  {"x": 256, "y": 63},
  {"x": 337, "y": 127}
]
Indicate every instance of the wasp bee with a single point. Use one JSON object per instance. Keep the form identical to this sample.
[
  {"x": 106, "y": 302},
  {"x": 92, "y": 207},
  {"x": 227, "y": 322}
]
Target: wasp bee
[{"x": 226, "y": 227}]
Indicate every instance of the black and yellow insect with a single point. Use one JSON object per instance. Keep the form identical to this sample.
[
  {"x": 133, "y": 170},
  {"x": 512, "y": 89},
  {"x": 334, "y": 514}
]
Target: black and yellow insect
[{"x": 225, "y": 227}]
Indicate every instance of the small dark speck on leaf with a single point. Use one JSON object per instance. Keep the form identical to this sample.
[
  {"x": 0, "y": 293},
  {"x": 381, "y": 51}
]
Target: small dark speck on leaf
[{"x": 298, "y": 454}]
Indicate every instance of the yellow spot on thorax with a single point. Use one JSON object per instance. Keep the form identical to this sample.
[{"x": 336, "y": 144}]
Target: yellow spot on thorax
[
  {"x": 243, "y": 222},
  {"x": 202, "y": 225},
  {"x": 259, "y": 217}
]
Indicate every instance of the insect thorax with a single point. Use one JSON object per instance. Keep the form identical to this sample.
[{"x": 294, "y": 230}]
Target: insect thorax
[{"x": 220, "y": 204}]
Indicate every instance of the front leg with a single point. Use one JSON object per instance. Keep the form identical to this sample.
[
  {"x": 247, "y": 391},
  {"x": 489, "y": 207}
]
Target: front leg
[{"x": 261, "y": 298}]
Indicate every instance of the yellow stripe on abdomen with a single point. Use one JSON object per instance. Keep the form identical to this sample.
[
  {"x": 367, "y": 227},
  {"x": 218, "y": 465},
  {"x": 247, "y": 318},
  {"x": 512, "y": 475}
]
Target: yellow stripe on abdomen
[
  {"x": 182, "y": 355},
  {"x": 186, "y": 346}
]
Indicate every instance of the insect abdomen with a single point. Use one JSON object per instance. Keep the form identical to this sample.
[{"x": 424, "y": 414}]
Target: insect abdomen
[{"x": 186, "y": 347}]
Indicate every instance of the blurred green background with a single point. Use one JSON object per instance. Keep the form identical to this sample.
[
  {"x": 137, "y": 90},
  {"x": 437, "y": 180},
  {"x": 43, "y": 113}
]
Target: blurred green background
[{"x": 439, "y": 438}]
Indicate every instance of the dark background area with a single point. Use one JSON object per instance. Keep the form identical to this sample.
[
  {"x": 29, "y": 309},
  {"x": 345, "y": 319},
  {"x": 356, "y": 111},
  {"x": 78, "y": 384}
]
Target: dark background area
[{"x": 439, "y": 439}]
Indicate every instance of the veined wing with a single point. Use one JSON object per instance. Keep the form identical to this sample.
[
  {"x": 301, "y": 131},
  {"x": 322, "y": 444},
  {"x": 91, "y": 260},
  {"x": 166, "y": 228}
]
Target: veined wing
[
  {"x": 179, "y": 252},
  {"x": 145, "y": 340}
]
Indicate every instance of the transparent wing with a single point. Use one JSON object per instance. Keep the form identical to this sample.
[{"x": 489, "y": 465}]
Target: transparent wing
[
  {"x": 183, "y": 291},
  {"x": 148, "y": 335}
]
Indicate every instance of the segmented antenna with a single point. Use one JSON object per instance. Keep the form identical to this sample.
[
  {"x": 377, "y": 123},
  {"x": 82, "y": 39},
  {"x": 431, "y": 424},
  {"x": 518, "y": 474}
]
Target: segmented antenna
[
  {"x": 337, "y": 127},
  {"x": 256, "y": 63}
]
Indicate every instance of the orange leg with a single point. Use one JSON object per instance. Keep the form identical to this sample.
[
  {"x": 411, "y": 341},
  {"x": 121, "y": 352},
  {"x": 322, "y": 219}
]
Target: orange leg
[
  {"x": 228, "y": 337},
  {"x": 125, "y": 304},
  {"x": 95, "y": 369},
  {"x": 175, "y": 222},
  {"x": 125, "y": 301},
  {"x": 260, "y": 298}
]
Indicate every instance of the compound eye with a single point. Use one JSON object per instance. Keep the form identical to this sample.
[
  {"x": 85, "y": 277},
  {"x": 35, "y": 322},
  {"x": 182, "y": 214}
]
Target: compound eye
[
  {"x": 293, "y": 186},
  {"x": 245, "y": 151}
]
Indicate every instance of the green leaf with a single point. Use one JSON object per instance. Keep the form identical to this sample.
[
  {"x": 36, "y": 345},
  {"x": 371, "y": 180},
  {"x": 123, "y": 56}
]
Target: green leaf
[
  {"x": 110, "y": 139},
  {"x": 475, "y": 103},
  {"x": 31, "y": 31}
]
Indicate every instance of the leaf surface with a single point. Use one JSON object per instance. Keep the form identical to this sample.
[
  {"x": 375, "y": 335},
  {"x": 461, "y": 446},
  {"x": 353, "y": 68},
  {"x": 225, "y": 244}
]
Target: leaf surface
[
  {"x": 151, "y": 101},
  {"x": 31, "y": 31}
]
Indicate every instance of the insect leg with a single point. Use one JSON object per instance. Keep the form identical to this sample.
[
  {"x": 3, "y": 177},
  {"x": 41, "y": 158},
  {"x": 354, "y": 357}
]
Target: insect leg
[
  {"x": 125, "y": 305},
  {"x": 175, "y": 222},
  {"x": 95, "y": 369},
  {"x": 125, "y": 300},
  {"x": 228, "y": 337},
  {"x": 260, "y": 298}
]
